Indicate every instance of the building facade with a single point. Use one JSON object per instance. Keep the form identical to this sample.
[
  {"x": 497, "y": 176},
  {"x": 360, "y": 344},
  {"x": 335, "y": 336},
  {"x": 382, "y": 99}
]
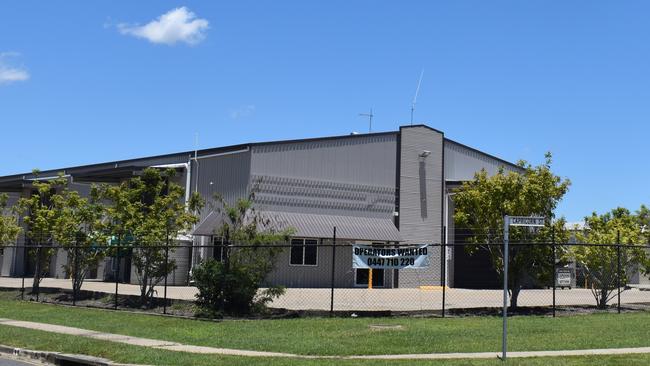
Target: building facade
[{"x": 379, "y": 188}]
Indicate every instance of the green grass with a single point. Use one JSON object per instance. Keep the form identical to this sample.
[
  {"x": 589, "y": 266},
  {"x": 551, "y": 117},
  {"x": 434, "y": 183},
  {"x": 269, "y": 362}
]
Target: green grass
[
  {"x": 346, "y": 336},
  {"x": 337, "y": 336},
  {"x": 43, "y": 341}
]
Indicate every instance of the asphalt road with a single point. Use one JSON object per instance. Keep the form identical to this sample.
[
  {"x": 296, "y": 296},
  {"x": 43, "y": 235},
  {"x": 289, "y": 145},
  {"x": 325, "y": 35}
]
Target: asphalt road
[{"x": 11, "y": 361}]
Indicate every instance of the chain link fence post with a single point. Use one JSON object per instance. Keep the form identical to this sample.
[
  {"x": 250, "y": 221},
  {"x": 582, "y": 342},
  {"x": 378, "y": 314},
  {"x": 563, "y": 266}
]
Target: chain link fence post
[
  {"x": 75, "y": 280},
  {"x": 166, "y": 275},
  {"x": 443, "y": 255},
  {"x": 506, "y": 249},
  {"x": 117, "y": 271},
  {"x": 553, "y": 268},
  {"x": 618, "y": 270},
  {"x": 22, "y": 286},
  {"x": 37, "y": 273},
  {"x": 333, "y": 271}
]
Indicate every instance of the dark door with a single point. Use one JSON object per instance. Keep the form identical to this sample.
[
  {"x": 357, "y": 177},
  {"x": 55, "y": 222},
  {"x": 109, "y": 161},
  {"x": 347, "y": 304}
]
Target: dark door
[{"x": 363, "y": 274}]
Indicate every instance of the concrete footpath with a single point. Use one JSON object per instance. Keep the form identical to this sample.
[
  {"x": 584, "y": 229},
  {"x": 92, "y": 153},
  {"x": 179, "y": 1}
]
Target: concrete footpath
[{"x": 179, "y": 347}]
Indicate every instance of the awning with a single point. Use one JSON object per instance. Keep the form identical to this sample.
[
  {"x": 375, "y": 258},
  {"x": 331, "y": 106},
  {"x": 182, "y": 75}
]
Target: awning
[
  {"x": 347, "y": 227},
  {"x": 208, "y": 225},
  {"x": 14, "y": 185},
  {"x": 106, "y": 175},
  {"x": 316, "y": 226}
]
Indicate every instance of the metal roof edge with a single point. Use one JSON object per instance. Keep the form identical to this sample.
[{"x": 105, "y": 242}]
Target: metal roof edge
[
  {"x": 199, "y": 153},
  {"x": 505, "y": 162}
]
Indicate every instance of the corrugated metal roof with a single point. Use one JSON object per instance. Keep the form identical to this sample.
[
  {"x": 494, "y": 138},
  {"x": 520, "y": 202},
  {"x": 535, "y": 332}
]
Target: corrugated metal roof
[
  {"x": 347, "y": 227},
  {"x": 316, "y": 226},
  {"x": 208, "y": 225}
]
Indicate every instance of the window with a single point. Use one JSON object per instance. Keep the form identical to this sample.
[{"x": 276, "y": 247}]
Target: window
[
  {"x": 304, "y": 252},
  {"x": 217, "y": 253}
]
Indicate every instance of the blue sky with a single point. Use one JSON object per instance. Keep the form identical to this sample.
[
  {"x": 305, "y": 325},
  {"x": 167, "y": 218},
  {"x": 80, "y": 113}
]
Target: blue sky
[{"x": 86, "y": 82}]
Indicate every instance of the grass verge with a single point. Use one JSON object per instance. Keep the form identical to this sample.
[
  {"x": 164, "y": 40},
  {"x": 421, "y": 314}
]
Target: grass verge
[
  {"x": 43, "y": 341},
  {"x": 338, "y": 336}
]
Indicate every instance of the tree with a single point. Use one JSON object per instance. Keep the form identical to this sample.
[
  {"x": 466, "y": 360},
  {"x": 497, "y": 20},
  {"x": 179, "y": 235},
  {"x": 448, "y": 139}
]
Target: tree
[
  {"x": 601, "y": 260},
  {"x": 150, "y": 211},
  {"x": 9, "y": 227},
  {"x": 482, "y": 203},
  {"x": 39, "y": 219},
  {"x": 231, "y": 285},
  {"x": 78, "y": 227}
]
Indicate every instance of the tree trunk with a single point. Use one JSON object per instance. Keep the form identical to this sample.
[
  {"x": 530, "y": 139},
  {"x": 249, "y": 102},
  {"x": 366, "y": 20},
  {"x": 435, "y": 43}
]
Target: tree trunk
[
  {"x": 37, "y": 271},
  {"x": 78, "y": 281},
  {"x": 143, "y": 288},
  {"x": 602, "y": 302},
  {"x": 515, "y": 290},
  {"x": 514, "y": 298},
  {"x": 36, "y": 281}
]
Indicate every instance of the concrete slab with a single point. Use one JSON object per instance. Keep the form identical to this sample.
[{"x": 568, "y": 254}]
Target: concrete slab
[{"x": 361, "y": 299}]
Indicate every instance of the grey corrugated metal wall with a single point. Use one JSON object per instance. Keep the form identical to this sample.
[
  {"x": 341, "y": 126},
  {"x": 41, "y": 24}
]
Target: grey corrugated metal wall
[
  {"x": 319, "y": 276},
  {"x": 227, "y": 174},
  {"x": 421, "y": 187},
  {"x": 461, "y": 162},
  {"x": 351, "y": 176}
]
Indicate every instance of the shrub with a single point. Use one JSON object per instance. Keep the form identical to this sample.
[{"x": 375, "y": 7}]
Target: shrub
[{"x": 233, "y": 291}]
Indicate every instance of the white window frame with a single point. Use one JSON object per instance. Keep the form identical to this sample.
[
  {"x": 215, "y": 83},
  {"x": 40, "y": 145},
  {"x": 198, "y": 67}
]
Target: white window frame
[{"x": 303, "y": 252}]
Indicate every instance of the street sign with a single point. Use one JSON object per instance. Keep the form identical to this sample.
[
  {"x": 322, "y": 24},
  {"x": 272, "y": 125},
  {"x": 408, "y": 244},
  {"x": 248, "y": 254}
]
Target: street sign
[{"x": 527, "y": 221}]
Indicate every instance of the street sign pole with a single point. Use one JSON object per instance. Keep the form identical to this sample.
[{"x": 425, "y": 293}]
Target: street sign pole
[
  {"x": 508, "y": 221},
  {"x": 506, "y": 232}
]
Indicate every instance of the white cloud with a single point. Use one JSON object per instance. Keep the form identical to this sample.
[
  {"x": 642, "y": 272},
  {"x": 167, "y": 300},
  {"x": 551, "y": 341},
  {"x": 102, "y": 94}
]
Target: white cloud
[
  {"x": 9, "y": 73},
  {"x": 177, "y": 25},
  {"x": 242, "y": 111}
]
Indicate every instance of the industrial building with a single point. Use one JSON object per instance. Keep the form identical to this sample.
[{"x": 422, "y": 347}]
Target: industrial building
[{"x": 379, "y": 188}]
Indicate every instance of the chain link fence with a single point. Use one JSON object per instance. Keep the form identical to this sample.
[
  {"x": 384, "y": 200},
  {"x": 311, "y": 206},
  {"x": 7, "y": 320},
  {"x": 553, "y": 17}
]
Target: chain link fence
[{"x": 319, "y": 278}]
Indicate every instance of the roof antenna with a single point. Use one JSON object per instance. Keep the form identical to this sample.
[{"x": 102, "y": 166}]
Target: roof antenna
[
  {"x": 369, "y": 115},
  {"x": 415, "y": 98},
  {"x": 196, "y": 144}
]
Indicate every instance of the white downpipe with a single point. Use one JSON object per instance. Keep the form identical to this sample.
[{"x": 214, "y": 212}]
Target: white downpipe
[{"x": 188, "y": 181}]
